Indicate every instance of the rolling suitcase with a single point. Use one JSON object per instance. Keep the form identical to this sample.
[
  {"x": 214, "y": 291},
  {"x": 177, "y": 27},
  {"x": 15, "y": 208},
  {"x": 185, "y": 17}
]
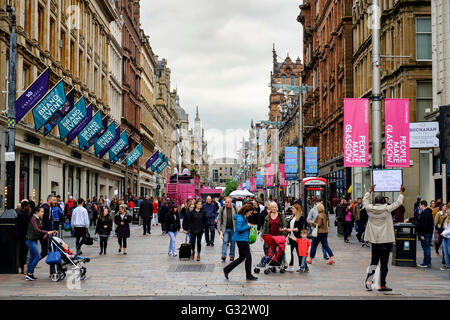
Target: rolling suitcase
[{"x": 185, "y": 250}]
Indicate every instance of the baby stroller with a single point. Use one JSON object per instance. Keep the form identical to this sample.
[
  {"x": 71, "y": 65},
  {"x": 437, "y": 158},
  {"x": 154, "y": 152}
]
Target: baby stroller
[
  {"x": 67, "y": 257},
  {"x": 274, "y": 258}
]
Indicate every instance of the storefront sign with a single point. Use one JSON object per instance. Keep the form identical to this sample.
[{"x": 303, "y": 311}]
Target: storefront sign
[
  {"x": 60, "y": 113},
  {"x": 356, "y": 132},
  {"x": 290, "y": 159},
  {"x": 49, "y": 105},
  {"x": 134, "y": 155},
  {"x": 311, "y": 160},
  {"x": 32, "y": 95},
  {"x": 105, "y": 138},
  {"x": 72, "y": 119},
  {"x": 423, "y": 135},
  {"x": 111, "y": 143},
  {"x": 396, "y": 133},
  {"x": 81, "y": 125},
  {"x": 90, "y": 130}
]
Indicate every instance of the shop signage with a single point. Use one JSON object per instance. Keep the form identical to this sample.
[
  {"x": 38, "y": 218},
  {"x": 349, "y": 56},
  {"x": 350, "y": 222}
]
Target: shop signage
[
  {"x": 423, "y": 135},
  {"x": 111, "y": 143},
  {"x": 60, "y": 113},
  {"x": 90, "y": 130},
  {"x": 105, "y": 138},
  {"x": 81, "y": 125},
  {"x": 290, "y": 160},
  {"x": 134, "y": 155},
  {"x": 117, "y": 147},
  {"x": 99, "y": 133},
  {"x": 72, "y": 119},
  {"x": 311, "y": 160}
]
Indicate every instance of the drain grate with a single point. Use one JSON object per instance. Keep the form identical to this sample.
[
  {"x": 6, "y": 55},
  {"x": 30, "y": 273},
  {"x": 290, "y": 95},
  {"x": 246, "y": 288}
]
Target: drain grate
[{"x": 192, "y": 268}]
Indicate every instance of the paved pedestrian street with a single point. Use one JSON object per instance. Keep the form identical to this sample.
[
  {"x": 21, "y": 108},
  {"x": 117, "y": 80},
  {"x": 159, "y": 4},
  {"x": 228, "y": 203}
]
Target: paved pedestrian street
[{"x": 148, "y": 272}]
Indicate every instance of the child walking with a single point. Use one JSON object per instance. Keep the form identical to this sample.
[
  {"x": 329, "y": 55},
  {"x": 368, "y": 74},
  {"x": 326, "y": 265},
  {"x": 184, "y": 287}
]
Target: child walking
[{"x": 304, "y": 246}]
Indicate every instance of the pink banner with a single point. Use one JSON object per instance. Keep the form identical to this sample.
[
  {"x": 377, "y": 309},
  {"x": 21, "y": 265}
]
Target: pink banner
[
  {"x": 270, "y": 176},
  {"x": 356, "y": 132},
  {"x": 396, "y": 133},
  {"x": 252, "y": 184},
  {"x": 283, "y": 182}
]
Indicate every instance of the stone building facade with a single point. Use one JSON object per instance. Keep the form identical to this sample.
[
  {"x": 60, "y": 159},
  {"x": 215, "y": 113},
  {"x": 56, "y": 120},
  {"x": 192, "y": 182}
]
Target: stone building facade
[
  {"x": 327, "y": 59},
  {"x": 73, "y": 39},
  {"x": 406, "y": 72}
]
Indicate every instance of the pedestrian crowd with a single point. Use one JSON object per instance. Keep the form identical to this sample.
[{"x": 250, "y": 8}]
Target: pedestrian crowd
[{"x": 285, "y": 229}]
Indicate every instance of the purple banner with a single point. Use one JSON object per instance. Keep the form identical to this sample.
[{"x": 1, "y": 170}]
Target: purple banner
[
  {"x": 60, "y": 113},
  {"x": 102, "y": 130},
  {"x": 76, "y": 131},
  {"x": 151, "y": 160},
  {"x": 35, "y": 92},
  {"x": 111, "y": 143}
]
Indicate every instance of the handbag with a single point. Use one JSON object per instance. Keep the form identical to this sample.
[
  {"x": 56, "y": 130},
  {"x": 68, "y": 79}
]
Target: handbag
[
  {"x": 67, "y": 226},
  {"x": 315, "y": 232},
  {"x": 253, "y": 234},
  {"x": 287, "y": 250},
  {"x": 89, "y": 241},
  {"x": 54, "y": 256}
]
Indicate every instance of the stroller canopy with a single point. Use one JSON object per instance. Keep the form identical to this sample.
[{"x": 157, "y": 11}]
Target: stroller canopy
[{"x": 274, "y": 241}]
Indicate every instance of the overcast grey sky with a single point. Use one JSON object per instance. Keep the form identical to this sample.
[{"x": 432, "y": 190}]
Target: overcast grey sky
[{"x": 220, "y": 55}]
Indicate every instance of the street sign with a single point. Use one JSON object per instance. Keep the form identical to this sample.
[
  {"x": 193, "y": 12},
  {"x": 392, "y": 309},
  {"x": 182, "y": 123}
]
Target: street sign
[
  {"x": 10, "y": 156},
  {"x": 295, "y": 89},
  {"x": 423, "y": 135}
]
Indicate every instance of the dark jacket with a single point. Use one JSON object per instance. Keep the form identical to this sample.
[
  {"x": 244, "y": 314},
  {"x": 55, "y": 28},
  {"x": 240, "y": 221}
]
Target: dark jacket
[
  {"x": 123, "y": 231},
  {"x": 363, "y": 217},
  {"x": 261, "y": 218},
  {"x": 300, "y": 224},
  {"x": 23, "y": 220},
  {"x": 146, "y": 209},
  {"x": 283, "y": 224},
  {"x": 101, "y": 223},
  {"x": 196, "y": 223},
  {"x": 47, "y": 218},
  {"x": 425, "y": 222},
  {"x": 35, "y": 229},
  {"x": 162, "y": 214},
  {"x": 210, "y": 212},
  {"x": 340, "y": 213},
  {"x": 186, "y": 220},
  {"x": 173, "y": 222}
]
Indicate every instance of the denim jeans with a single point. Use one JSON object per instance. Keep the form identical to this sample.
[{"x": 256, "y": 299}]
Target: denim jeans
[
  {"x": 322, "y": 238},
  {"x": 172, "y": 236},
  {"x": 227, "y": 236},
  {"x": 35, "y": 255},
  {"x": 446, "y": 251},
  {"x": 426, "y": 248},
  {"x": 210, "y": 232},
  {"x": 303, "y": 264}
]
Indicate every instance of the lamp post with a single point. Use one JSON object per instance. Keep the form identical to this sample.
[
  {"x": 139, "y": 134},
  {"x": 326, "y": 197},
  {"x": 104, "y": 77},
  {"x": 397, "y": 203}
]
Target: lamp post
[{"x": 10, "y": 165}]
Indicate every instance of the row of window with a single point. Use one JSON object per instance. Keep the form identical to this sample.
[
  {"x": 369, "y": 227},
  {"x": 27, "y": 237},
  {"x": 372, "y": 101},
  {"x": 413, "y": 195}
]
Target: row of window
[{"x": 283, "y": 80}]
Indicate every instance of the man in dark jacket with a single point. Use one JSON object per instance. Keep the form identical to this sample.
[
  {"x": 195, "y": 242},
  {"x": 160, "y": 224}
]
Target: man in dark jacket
[
  {"x": 47, "y": 221},
  {"x": 425, "y": 225},
  {"x": 146, "y": 212},
  {"x": 23, "y": 218},
  {"x": 211, "y": 215}
]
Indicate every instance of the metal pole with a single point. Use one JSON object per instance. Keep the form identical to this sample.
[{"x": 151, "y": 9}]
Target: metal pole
[
  {"x": 11, "y": 165},
  {"x": 300, "y": 137},
  {"x": 376, "y": 87}
]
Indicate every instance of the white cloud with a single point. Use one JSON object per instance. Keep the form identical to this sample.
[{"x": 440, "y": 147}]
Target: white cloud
[{"x": 220, "y": 54}]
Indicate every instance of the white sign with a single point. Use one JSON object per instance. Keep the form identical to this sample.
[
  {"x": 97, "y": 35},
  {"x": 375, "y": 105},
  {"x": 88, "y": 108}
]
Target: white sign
[
  {"x": 423, "y": 135},
  {"x": 387, "y": 180},
  {"x": 10, "y": 156},
  {"x": 116, "y": 192}
]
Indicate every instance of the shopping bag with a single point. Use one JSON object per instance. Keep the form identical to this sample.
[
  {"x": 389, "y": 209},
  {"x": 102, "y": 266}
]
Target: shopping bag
[
  {"x": 287, "y": 252},
  {"x": 67, "y": 226},
  {"x": 54, "y": 256},
  {"x": 253, "y": 234},
  {"x": 89, "y": 241},
  {"x": 315, "y": 232}
]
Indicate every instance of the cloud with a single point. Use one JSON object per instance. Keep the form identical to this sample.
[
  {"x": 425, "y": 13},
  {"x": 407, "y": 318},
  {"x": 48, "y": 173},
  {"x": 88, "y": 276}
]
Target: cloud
[{"x": 220, "y": 55}]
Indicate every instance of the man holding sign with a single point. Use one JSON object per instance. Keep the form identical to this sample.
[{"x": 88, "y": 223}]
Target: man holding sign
[{"x": 380, "y": 233}]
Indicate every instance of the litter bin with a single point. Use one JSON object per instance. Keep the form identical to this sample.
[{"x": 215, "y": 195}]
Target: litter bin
[
  {"x": 404, "y": 250},
  {"x": 8, "y": 242},
  {"x": 136, "y": 215}
]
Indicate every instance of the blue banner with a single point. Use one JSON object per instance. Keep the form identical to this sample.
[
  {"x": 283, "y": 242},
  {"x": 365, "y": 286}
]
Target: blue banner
[
  {"x": 96, "y": 136},
  {"x": 45, "y": 109},
  {"x": 290, "y": 163},
  {"x": 259, "y": 180},
  {"x": 134, "y": 155},
  {"x": 152, "y": 159},
  {"x": 157, "y": 162},
  {"x": 121, "y": 154},
  {"x": 111, "y": 143},
  {"x": 311, "y": 160},
  {"x": 247, "y": 184},
  {"x": 35, "y": 92},
  {"x": 163, "y": 165},
  {"x": 118, "y": 147},
  {"x": 72, "y": 119},
  {"x": 105, "y": 138},
  {"x": 90, "y": 130},
  {"x": 60, "y": 113}
]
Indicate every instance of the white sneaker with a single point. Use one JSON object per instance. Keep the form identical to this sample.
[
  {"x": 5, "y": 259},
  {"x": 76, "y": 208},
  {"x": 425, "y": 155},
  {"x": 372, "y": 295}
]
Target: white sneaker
[
  {"x": 290, "y": 269},
  {"x": 298, "y": 269},
  {"x": 174, "y": 254},
  {"x": 170, "y": 254}
]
